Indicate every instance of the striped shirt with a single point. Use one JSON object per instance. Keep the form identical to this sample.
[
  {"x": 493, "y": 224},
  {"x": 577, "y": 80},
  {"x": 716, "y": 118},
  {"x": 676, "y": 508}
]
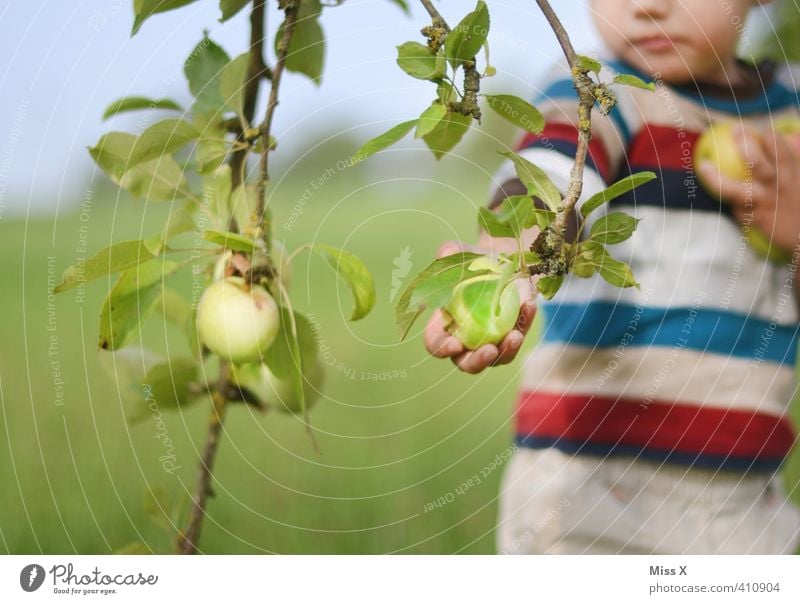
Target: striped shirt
[{"x": 696, "y": 367}]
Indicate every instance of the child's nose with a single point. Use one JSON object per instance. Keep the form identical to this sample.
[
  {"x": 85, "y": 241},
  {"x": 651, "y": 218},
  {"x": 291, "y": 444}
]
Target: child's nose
[{"x": 654, "y": 9}]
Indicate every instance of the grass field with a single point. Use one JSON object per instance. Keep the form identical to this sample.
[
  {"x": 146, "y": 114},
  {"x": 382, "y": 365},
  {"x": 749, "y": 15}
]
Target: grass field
[{"x": 78, "y": 478}]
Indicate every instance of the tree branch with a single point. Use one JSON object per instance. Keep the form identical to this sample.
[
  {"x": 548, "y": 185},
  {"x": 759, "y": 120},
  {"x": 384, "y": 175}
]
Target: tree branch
[
  {"x": 436, "y": 17},
  {"x": 291, "y": 8},
  {"x": 188, "y": 540},
  {"x": 585, "y": 87},
  {"x": 256, "y": 69}
]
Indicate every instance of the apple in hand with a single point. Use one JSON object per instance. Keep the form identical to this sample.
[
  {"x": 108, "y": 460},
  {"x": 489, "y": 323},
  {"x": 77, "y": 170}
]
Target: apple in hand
[
  {"x": 718, "y": 145},
  {"x": 236, "y": 321},
  {"x": 482, "y": 310},
  {"x": 279, "y": 393}
]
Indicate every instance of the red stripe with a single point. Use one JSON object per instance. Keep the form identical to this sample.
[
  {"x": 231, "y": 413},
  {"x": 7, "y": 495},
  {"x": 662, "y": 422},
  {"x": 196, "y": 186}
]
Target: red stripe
[
  {"x": 569, "y": 133},
  {"x": 658, "y": 425},
  {"x": 663, "y": 146}
]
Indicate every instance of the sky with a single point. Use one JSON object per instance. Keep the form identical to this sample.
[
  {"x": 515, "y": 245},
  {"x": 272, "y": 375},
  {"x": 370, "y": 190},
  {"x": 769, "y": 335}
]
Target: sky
[{"x": 64, "y": 62}]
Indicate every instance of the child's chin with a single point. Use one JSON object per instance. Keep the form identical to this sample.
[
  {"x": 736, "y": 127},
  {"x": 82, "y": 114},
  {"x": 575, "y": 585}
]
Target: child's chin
[{"x": 669, "y": 69}]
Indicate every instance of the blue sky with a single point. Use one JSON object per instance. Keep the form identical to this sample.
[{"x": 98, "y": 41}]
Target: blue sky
[{"x": 64, "y": 62}]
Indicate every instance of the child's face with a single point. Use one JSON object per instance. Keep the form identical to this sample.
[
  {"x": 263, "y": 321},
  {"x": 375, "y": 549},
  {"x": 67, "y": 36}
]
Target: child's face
[{"x": 680, "y": 39}]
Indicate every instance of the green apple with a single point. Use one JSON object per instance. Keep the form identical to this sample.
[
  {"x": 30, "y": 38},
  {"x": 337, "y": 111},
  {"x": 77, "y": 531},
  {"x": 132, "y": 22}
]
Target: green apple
[
  {"x": 483, "y": 310},
  {"x": 718, "y": 145},
  {"x": 278, "y": 393},
  {"x": 236, "y": 321}
]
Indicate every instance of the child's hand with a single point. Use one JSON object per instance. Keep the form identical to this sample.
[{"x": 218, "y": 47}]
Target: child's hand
[
  {"x": 441, "y": 344},
  {"x": 772, "y": 203}
]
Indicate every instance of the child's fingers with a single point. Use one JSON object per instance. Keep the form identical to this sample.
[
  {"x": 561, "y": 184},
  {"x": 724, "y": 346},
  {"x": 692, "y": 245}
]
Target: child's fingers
[
  {"x": 509, "y": 347},
  {"x": 438, "y": 342},
  {"x": 527, "y": 312},
  {"x": 448, "y": 248},
  {"x": 475, "y": 361},
  {"x": 758, "y": 150},
  {"x": 730, "y": 189}
]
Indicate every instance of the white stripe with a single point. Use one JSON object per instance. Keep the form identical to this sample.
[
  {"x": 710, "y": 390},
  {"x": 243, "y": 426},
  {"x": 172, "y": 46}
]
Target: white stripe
[
  {"x": 657, "y": 373},
  {"x": 691, "y": 259}
]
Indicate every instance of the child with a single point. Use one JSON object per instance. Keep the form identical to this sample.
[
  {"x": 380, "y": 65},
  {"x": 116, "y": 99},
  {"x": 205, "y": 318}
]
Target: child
[{"x": 655, "y": 420}]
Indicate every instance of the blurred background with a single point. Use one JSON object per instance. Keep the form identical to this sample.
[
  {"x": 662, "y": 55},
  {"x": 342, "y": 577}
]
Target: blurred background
[{"x": 400, "y": 433}]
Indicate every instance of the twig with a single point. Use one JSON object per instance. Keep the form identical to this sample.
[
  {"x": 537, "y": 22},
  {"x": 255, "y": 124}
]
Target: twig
[
  {"x": 291, "y": 8},
  {"x": 256, "y": 69},
  {"x": 586, "y": 99},
  {"x": 188, "y": 540},
  {"x": 436, "y": 17}
]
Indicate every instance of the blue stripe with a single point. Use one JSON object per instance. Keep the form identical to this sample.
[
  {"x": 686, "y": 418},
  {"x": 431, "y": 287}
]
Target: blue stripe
[
  {"x": 673, "y": 189},
  {"x": 775, "y": 97},
  {"x": 564, "y": 89},
  {"x": 565, "y": 148},
  {"x": 609, "y": 324},
  {"x": 698, "y": 460}
]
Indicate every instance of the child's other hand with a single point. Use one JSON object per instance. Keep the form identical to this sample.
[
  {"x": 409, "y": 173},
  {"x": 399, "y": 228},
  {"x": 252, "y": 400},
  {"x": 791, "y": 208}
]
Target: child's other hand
[
  {"x": 772, "y": 203},
  {"x": 443, "y": 345}
]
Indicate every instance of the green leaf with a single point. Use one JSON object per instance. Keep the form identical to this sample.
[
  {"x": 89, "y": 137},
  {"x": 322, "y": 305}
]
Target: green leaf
[
  {"x": 446, "y": 93},
  {"x": 514, "y": 215},
  {"x": 542, "y": 218},
  {"x": 614, "y": 227},
  {"x": 279, "y": 357},
  {"x": 166, "y": 386},
  {"x": 217, "y": 193},
  {"x": 229, "y": 8},
  {"x": 159, "y": 179},
  {"x": 202, "y": 69},
  {"x": 135, "y": 103},
  {"x": 162, "y": 138},
  {"x": 144, "y": 9},
  {"x": 353, "y": 272},
  {"x": 112, "y": 259},
  {"x": 306, "y": 53},
  {"x": 403, "y": 6},
  {"x": 432, "y": 287},
  {"x": 549, "y": 285},
  {"x": 589, "y": 64},
  {"x": 131, "y": 300},
  {"x": 232, "y": 83},
  {"x": 118, "y": 152},
  {"x": 631, "y": 80},
  {"x": 536, "y": 181},
  {"x": 616, "y": 272},
  {"x": 294, "y": 342},
  {"x": 112, "y": 153},
  {"x": 429, "y": 119},
  {"x": 419, "y": 61},
  {"x": 447, "y": 133},
  {"x": 180, "y": 220},
  {"x": 385, "y": 140},
  {"x": 244, "y": 203},
  {"x": 517, "y": 111},
  {"x": 618, "y": 188},
  {"x": 465, "y": 39},
  {"x": 231, "y": 241}
]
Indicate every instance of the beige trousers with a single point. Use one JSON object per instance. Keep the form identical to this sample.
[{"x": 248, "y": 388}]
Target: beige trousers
[{"x": 556, "y": 503}]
